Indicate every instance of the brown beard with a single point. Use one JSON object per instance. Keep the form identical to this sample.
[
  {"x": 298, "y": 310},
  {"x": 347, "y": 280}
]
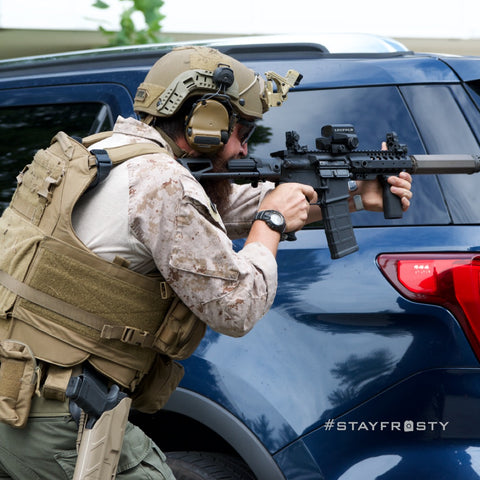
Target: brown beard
[{"x": 218, "y": 190}]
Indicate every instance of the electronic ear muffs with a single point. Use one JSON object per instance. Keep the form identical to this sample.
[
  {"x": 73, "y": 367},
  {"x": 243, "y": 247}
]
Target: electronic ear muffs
[
  {"x": 208, "y": 128},
  {"x": 210, "y": 122}
]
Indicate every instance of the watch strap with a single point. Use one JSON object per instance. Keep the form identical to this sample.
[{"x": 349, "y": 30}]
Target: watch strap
[{"x": 265, "y": 215}]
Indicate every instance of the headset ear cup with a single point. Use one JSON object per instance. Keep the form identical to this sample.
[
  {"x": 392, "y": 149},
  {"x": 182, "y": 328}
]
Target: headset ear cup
[{"x": 207, "y": 128}]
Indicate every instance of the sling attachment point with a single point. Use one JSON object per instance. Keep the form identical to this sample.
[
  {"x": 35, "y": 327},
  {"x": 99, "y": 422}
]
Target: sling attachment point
[
  {"x": 130, "y": 335},
  {"x": 104, "y": 165}
]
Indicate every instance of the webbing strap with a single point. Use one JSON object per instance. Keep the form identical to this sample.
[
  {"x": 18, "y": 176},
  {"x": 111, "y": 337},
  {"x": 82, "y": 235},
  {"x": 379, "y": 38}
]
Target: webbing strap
[
  {"x": 105, "y": 159},
  {"x": 94, "y": 138},
  {"x": 52, "y": 303},
  {"x": 125, "y": 334},
  {"x": 104, "y": 165},
  {"x": 131, "y": 335},
  {"x": 124, "y": 152}
]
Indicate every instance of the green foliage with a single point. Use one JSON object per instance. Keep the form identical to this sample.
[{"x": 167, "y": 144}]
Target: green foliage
[{"x": 128, "y": 35}]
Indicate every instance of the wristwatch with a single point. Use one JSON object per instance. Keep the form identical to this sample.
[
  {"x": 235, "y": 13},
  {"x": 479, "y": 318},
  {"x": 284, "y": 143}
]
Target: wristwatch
[{"x": 275, "y": 220}]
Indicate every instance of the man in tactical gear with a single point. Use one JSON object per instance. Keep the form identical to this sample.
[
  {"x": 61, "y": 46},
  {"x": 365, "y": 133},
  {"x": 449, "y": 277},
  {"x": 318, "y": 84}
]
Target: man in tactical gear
[{"x": 149, "y": 261}]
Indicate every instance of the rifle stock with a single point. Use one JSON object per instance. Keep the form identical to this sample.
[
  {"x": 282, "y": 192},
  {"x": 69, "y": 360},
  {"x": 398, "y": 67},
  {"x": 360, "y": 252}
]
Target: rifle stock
[{"x": 328, "y": 170}]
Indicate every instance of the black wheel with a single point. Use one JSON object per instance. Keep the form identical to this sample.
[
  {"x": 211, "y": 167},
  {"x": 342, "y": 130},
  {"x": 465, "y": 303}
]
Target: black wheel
[{"x": 207, "y": 466}]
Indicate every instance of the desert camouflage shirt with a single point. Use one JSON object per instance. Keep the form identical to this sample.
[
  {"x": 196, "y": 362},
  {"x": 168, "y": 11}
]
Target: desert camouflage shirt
[{"x": 152, "y": 212}]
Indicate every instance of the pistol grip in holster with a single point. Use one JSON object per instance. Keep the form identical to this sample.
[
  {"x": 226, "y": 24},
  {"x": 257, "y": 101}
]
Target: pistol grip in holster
[
  {"x": 101, "y": 445},
  {"x": 102, "y": 427}
]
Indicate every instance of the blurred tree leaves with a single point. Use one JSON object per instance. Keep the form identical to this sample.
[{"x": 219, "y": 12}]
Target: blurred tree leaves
[{"x": 128, "y": 34}]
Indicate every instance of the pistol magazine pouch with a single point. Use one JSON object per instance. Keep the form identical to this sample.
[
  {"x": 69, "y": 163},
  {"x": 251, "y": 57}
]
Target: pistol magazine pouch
[
  {"x": 18, "y": 380},
  {"x": 68, "y": 304}
]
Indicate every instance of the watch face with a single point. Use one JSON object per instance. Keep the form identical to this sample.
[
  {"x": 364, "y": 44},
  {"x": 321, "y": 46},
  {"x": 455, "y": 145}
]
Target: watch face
[
  {"x": 276, "y": 219},
  {"x": 273, "y": 219}
]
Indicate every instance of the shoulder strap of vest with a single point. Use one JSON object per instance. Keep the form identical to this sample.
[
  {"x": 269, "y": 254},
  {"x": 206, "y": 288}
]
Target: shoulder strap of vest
[
  {"x": 105, "y": 159},
  {"x": 123, "y": 152},
  {"x": 96, "y": 137}
]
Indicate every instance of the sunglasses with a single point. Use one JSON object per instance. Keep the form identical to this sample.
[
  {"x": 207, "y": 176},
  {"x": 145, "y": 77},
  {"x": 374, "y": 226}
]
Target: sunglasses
[{"x": 245, "y": 130}]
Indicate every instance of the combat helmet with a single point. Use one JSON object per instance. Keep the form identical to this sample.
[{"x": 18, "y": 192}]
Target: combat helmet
[{"x": 225, "y": 91}]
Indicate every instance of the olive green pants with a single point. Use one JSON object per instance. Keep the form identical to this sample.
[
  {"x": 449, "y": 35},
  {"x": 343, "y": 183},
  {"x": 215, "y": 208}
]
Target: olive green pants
[{"x": 45, "y": 449}]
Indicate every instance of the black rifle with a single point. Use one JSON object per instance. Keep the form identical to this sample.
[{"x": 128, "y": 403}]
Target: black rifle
[{"x": 328, "y": 170}]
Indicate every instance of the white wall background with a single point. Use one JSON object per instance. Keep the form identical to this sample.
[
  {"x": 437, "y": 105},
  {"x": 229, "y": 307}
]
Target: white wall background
[{"x": 405, "y": 18}]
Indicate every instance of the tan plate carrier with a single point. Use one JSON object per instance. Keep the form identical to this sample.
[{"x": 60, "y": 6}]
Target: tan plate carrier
[{"x": 66, "y": 303}]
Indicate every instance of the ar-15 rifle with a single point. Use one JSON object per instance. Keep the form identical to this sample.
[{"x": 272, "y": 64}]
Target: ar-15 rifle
[
  {"x": 329, "y": 169},
  {"x": 106, "y": 414}
]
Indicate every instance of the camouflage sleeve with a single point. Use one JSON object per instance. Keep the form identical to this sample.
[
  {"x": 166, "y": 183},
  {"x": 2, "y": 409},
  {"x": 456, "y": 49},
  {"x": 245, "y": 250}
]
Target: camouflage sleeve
[
  {"x": 244, "y": 202},
  {"x": 170, "y": 213}
]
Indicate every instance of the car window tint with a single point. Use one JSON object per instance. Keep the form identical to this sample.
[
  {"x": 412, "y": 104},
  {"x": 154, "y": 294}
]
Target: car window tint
[
  {"x": 373, "y": 111},
  {"x": 431, "y": 106},
  {"x": 26, "y": 129},
  {"x": 474, "y": 90},
  {"x": 471, "y": 109},
  {"x": 444, "y": 128}
]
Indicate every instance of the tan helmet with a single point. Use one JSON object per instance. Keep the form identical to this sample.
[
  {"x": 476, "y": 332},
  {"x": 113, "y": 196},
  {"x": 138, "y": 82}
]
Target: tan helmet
[{"x": 195, "y": 71}]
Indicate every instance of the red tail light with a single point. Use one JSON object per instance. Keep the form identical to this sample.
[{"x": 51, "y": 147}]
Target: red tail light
[{"x": 451, "y": 280}]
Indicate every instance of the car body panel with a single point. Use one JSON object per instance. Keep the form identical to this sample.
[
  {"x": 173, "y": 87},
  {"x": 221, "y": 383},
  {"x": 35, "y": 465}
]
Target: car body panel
[
  {"x": 337, "y": 331},
  {"x": 391, "y": 437},
  {"x": 465, "y": 67}
]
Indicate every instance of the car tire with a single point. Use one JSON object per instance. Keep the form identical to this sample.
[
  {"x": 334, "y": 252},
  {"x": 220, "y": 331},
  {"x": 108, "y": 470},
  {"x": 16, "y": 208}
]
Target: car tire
[{"x": 207, "y": 466}]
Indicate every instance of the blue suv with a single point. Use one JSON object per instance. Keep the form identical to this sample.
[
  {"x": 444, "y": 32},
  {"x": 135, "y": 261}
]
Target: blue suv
[{"x": 366, "y": 367}]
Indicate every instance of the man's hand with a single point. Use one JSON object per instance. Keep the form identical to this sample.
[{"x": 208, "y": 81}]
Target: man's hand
[
  {"x": 372, "y": 193},
  {"x": 293, "y": 201}
]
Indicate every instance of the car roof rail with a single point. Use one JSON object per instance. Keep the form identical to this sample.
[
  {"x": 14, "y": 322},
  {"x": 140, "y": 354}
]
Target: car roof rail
[
  {"x": 269, "y": 46},
  {"x": 272, "y": 51}
]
